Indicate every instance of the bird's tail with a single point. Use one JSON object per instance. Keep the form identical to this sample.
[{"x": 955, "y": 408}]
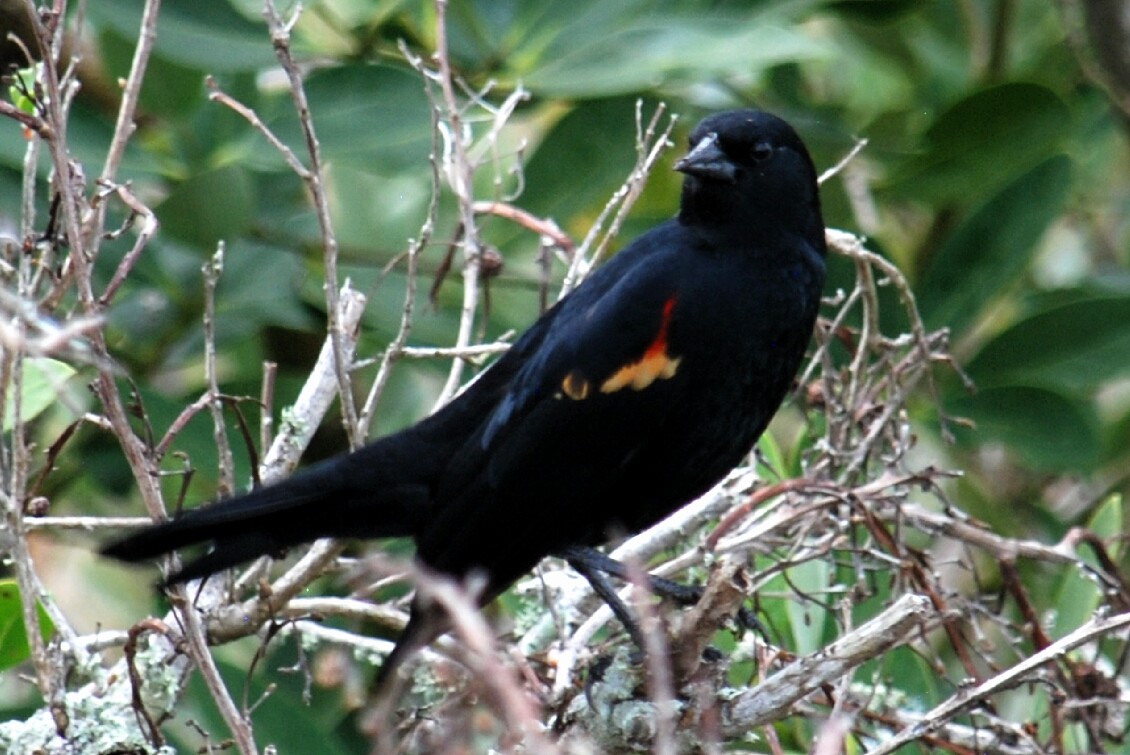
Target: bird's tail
[{"x": 355, "y": 496}]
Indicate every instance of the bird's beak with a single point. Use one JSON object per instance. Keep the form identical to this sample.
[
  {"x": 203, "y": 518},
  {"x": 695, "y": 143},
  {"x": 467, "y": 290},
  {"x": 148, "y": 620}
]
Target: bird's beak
[{"x": 707, "y": 160}]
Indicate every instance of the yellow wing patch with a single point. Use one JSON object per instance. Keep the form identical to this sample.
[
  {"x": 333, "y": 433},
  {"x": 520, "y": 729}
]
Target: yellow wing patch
[
  {"x": 655, "y": 364},
  {"x": 575, "y": 386},
  {"x": 643, "y": 373}
]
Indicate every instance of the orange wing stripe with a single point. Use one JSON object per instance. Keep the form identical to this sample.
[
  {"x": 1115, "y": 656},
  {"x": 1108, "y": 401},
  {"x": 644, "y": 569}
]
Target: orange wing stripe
[{"x": 655, "y": 363}]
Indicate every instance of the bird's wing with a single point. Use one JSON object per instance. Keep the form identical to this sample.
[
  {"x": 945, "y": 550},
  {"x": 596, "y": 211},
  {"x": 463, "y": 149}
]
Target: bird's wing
[
  {"x": 610, "y": 335},
  {"x": 597, "y": 388}
]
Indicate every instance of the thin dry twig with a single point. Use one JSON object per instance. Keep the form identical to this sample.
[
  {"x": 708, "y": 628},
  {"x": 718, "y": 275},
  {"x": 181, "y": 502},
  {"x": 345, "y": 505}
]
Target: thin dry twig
[
  {"x": 774, "y": 698},
  {"x": 196, "y": 635},
  {"x": 148, "y": 229},
  {"x": 212, "y": 270},
  {"x": 416, "y": 246},
  {"x": 1100, "y": 626},
  {"x": 650, "y": 145},
  {"x": 315, "y": 182},
  {"x": 460, "y": 173}
]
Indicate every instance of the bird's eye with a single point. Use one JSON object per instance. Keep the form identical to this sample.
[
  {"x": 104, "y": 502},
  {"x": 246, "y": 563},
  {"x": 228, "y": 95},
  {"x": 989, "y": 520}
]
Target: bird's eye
[{"x": 761, "y": 152}]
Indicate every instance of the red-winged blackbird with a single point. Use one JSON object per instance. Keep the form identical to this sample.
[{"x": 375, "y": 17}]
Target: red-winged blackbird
[{"x": 631, "y": 396}]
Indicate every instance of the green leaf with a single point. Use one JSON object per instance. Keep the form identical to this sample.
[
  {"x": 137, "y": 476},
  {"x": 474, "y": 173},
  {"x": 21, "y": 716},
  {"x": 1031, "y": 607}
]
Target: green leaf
[
  {"x": 1048, "y": 430},
  {"x": 209, "y": 206},
  {"x": 773, "y": 464},
  {"x": 913, "y": 675},
  {"x": 1077, "y": 345},
  {"x": 1117, "y": 438},
  {"x": 372, "y": 117},
  {"x": 207, "y": 35},
  {"x": 1106, "y": 522},
  {"x": 375, "y": 215},
  {"x": 259, "y": 287},
  {"x": 43, "y": 379},
  {"x": 14, "y": 648},
  {"x": 993, "y": 247},
  {"x": 597, "y": 134},
  {"x": 1078, "y": 594},
  {"x": 649, "y": 53},
  {"x": 23, "y": 85},
  {"x": 984, "y": 141},
  {"x": 806, "y": 616}
]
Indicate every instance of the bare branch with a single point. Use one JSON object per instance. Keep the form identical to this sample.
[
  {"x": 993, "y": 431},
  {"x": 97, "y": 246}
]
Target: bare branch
[
  {"x": 460, "y": 174},
  {"x": 148, "y": 230},
  {"x": 212, "y": 270},
  {"x": 131, "y": 93},
  {"x": 838, "y": 167},
  {"x": 649, "y": 147},
  {"x": 218, "y": 95},
  {"x": 314, "y": 177},
  {"x": 302, "y": 419},
  {"x": 1094, "y": 629},
  {"x": 29, "y": 120},
  {"x": 396, "y": 348},
  {"x": 774, "y": 698},
  {"x": 238, "y": 723}
]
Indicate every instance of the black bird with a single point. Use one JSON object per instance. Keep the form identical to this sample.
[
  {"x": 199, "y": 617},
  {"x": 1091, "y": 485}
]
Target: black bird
[{"x": 630, "y": 397}]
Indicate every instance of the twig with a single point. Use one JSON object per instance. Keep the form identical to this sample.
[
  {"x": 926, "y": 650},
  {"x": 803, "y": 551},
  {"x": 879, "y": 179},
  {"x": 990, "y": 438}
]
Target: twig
[
  {"x": 195, "y": 634},
  {"x": 660, "y": 677},
  {"x": 76, "y": 266},
  {"x": 1092, "y": 630},
  {"x": 999, "y": 546},
  {"x": 348, "y": 608},
  {"x": 178, "y": 424},
  {"x": 28, "y": 202},
  {"x": 468, "y": 353},
  {"x": 374, "y": 647},
  {"x": 218, "y": 95},
  {"x": 88, "y": 523},
  {"x": 724, "y": 593},
  {"x": 301, "y": 420},
  {"x": 543, "y": 227},
  {"x": 28, "y": 120},
  {"x": 774, "y": 698},
  {"x": 852, "y": 246},
  {"x": 280, "y": 36},
  {"x": 415, "y": 247},
  {"x": 237, "y": 620},
  {"x": 648, "y": 153},
  {"x": 212, "y": 270},
  {"x": 267, "y": 412},
  {"x": 460, "y": 175},
  {"x": 640, "y": 549},
  {"x": 148, "y": 230},
  {"x": 49, "y": 682},
  {"x": 515, "y": 705},
  {"x": 131, "y": 94},
  {"x": 129, "y": 650},
  {"x": 855, "y": 150}
]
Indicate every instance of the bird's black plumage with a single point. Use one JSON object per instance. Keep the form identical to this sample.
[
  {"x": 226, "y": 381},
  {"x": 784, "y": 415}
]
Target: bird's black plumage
[{"x": 633, "y": 395}]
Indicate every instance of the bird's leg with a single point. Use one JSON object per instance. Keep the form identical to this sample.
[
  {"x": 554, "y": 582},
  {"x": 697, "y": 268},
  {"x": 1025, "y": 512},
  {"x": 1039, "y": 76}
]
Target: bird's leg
[
  {"x": 588, "y": 561},
  {"x": 598, "y": 561},
  {"x": 602, "y": 586}
]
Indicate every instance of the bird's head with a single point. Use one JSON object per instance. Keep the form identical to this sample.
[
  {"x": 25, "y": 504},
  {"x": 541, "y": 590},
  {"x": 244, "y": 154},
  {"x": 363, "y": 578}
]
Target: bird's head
[{"x": 749, "y": 168}]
